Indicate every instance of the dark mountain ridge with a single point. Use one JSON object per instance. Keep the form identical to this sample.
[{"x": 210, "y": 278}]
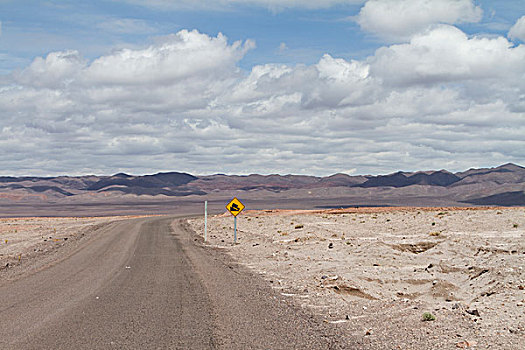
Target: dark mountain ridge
[
  {"x": 399, "y": 179},
  {"x": 504, "y": 184}
]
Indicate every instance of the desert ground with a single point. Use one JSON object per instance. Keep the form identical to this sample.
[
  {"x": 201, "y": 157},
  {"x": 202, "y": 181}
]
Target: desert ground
[
  {"x": 375, "y": 272},
  {"x": 370, "y": 272},
  {"x": 31, "y": 243}
]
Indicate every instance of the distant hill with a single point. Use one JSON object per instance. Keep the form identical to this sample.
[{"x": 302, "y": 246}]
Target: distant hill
[
  {"x": 436, "y": 178},
  {"x": 503, "y": 185},
  {"x": 503, "y": 199},
  {"x": 160, "y": 180}
]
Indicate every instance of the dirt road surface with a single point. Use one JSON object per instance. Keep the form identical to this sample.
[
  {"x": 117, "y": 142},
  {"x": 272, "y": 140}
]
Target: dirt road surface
[{"x": 145, "y": 284}]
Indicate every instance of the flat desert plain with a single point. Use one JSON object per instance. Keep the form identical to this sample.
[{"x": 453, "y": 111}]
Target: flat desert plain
[{"x": 375, "y": 272}]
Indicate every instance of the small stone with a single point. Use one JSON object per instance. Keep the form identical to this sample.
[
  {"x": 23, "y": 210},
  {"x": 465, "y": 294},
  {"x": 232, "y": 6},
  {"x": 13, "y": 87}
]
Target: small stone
[
  {"x": 368, "y": 332},
  {"x": 465, "y": 344},
  {"x": 331, "y": 245},
  {"x": 473, "y": 312}
]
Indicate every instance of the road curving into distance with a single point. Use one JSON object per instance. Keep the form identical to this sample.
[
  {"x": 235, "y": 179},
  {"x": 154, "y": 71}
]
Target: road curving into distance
[{"x": 147, "y": 284}]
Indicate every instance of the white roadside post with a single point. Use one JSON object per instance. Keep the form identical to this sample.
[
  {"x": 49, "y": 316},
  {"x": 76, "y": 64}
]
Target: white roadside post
[
  {"x": 235, "y": 207},
  {"x": 205, "y": 221}
]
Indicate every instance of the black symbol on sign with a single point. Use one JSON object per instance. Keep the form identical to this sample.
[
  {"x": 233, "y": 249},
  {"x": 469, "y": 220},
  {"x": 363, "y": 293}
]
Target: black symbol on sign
[{"x": 234, "y": 207}]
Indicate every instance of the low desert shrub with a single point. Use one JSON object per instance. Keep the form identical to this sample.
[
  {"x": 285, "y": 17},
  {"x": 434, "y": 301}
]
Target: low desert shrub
[{"x": 427, "y": 316}]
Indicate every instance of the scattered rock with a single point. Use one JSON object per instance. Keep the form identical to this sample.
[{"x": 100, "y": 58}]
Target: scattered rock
[
  {"x": 465, "y": 344},
  {"x": 473, "y": 312},
  {"x": 331, "y": 245}
]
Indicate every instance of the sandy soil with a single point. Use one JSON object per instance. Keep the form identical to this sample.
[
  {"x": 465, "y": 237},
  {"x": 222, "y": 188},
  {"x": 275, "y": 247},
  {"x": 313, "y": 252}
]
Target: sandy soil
[
  {"x": 28, "y": 244},
  {"x": 376, "y": 271}
]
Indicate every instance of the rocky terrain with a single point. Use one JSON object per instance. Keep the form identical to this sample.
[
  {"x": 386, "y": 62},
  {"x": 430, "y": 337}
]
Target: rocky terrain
[{"x": 393, "y": 278}]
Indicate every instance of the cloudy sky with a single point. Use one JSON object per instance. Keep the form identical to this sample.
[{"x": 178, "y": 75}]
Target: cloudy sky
[{"x": 260, "y": 86}]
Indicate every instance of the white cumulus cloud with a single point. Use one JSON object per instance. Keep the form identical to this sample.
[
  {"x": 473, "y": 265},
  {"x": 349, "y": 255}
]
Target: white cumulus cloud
[
  {"x": 56, "y": 69},
  {"x": 446, "y": 54},
  {"x": 398, "y": 20},
  {"x": 185, "y": 55},
  {"x": 518, "y": 30},
  {"x": 184, "y": 103}
]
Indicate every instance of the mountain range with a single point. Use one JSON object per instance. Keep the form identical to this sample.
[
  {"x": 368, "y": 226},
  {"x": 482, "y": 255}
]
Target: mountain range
[{"x": 503, "y": 185}]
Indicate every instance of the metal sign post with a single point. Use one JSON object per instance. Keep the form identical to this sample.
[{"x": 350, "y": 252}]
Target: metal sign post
[
  {"x": 235, "y": 207},
  {"x": 234, "y": 230}
]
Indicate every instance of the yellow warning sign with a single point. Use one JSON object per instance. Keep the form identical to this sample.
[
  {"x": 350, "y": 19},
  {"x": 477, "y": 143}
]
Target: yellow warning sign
[{"x": 235, "y": 207}]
